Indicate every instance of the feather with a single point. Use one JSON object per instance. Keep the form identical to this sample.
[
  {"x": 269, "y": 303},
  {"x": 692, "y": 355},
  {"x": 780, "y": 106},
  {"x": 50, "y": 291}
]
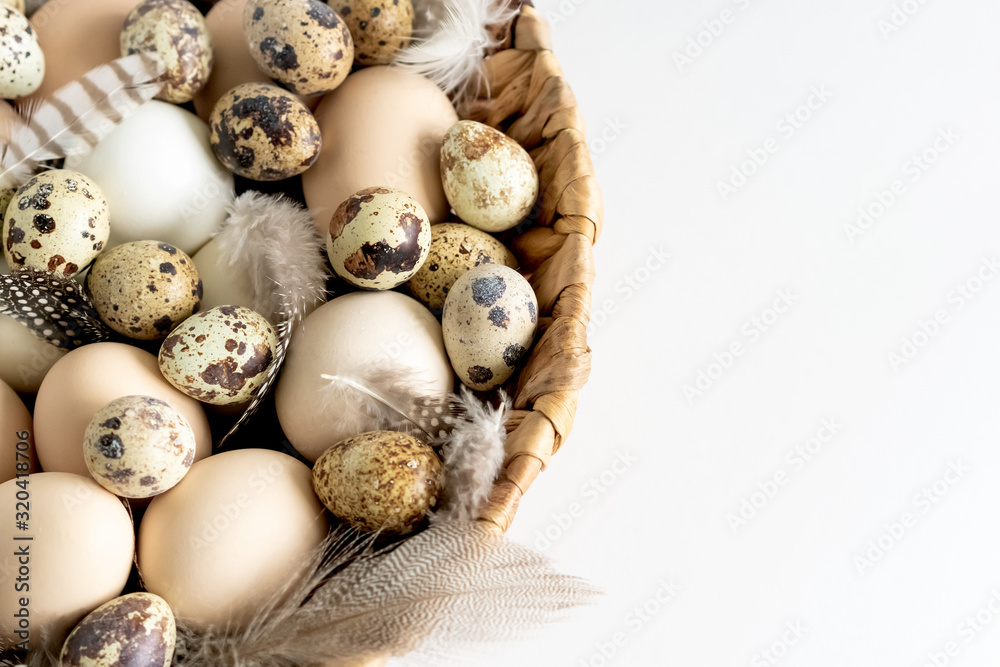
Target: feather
[
  {"x": 54, "y": 308},
  {"x": 431, "y": 597},
  {"x": 452, "y": 38},
  {"x": 78, "y": 115}
]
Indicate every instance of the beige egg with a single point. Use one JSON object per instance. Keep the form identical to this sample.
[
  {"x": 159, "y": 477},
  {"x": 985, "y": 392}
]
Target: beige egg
[
  {"x": 264, "y": 133},
  {"x": 17, "y": 440},
  {"x": 378, "y": 239},
  {"x": 488, "y": 177},
  {"x": 176, "y": 30},
  {"x": 144, "y": 289},
  {"x": 489, "y": 323},
  {"x": 301, "y": 43},
  {"x": 80, "y": 554},
  {"x": 58, "y": 221},
  {"x": 455, "y": 248},
  {"x": 87, "y": 379},
  {"x": 379, "y": 481},
  {"x": 16, "y": 4},
  {"x": 133, "y": 630},
  {"x": 223, "y": 284},
  {"x": 384, "y": 126},
  {"x": 238, "y": 529},
  {"x": 219, "y": 356},
  {"x": 24, "y": 357},
  {"x": 22, "y": 62},
  {"x": 138, "y": 446},
  {"x": 380, "y": 28}
]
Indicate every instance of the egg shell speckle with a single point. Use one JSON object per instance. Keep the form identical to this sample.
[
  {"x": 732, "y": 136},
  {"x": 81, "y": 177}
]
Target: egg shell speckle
[
  {"x": 144, "y": 289},
  {"x": 379, "y": 480},
  {"x": 22, "y": 63},
  {"x": 489, "y": 179},
  {"x": 138, "y": 446},
  {"x": 455, "y": 248},
  {"x": 264, "y": 133},
  {"x": 380, "y": 28},
  {"x": 134, "y": 629},
  {"x": 489, "y": 323},
  {"x": 219, "y": 356},
  {"x": 58, "y": 221},
  {"x": 301, "y": 43},
  {"x": 378, "y": 238}
]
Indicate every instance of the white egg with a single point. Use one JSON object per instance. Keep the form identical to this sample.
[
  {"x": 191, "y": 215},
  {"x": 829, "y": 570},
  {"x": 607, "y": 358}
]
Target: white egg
[{"x": 22, "y": 63}]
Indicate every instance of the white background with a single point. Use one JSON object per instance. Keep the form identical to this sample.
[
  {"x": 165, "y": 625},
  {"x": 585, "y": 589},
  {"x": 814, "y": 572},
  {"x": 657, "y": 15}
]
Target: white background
[{"x": 663, "y": 137}]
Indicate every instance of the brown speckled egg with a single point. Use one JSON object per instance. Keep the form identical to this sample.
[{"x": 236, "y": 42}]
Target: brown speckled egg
[
  {"x": 176, "y": 30},
  {"x": 489, "y": 323},
  {"x": 378, "y": 238},
  {"x": 489, "y": 179},
  {"x": 301, "y": 43},
  {"x": 380, "y": 28},
  {"x": 219, "y": 356},
  {"x": 381, "y": 480},
  {"x": 133, "y": 630},
  {"x": 264, "y": 133},
  {"x": 22, "y": 63},
  {"x": 58, "y": 221},
  {"x": 138, "y": 446},
  {"x": 455, "y": 248},
  {"x": 144, "y": 289}
]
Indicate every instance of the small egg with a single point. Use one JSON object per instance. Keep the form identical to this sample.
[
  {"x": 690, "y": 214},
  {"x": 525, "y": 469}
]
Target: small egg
[
  {"x": 219, "y": 356},
  {"x": 138, "y": 446},
  {"x": 22, "y": 63},
  {"x": 455, "y": 248},
  {"x": 144, "y": 289},
  {"x": 16, "y": 4},
  {"x": 301, "y": 43},
  {"x": 381, "y": 480},
  {"x": 380, "y": 28},
  {"x": 176, "y": 30},
  {"x": 58, "y": 221},
  {"x": 489, "y": 323},
  {"x": 264, "y": 133},
  {"x": 489, "y": 179},
  {"x": 378, "y": 238},
  {"x": 134, "y": 630}
]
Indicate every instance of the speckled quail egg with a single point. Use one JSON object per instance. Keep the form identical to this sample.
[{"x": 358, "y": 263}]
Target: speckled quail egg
[
  {"x": 301, "y": 43},
  {"x": 378, "y": 238},
  {"x": 16, "y": 4},
  {"x": 455, "y": 248},
  {"x": 144, "y": 289},
  {"x": 489, "y": 323},
  {"x": 138, "y": 446},
  {"x": 380, "y": 28},
  {"x": 381, "y": 480},
  {"x": 264, "y": 133},
  {"x": 176, "y": 30},
  {"x": 22, "y": 63},
  {"x": 58, "y": 221},
  {"x": 134, "y": 630},
  {"x": 489, "y": 179},
  {"x": 219, "y": 356}
]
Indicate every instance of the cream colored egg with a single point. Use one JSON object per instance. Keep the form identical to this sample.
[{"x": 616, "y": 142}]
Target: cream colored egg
[
  {"x": 237, "y": 530},
  {"x": 129, "y": 631},
  {"x": 488, "y": 177},
  {"x": 138, "y": 446},
  {"x": 379, "y": 481},
  {"x": 220, "y": 356},
  {"x": 223, "y": 284},
  {"x": 80, "y": 554},
  {"x": 24, "y": 357},
  {"x": 356, "y": 335},
  {"x": 22, "y": 62},
  {"x": 378, "y": 238},
  {"x": 380, "y": 28},
  {"x": 384, "y": 126},
  {"x": 87, "y": 379},
  {"x": 301, "y": 43},
  {"x": 489, "y": 323},
  {"x": 144, "y": 289},
  {"x": 16, "y": 4},
  {"x": 455, "y": 248},
  {"x": 58, "y": 221},
  {"x": 17, "y": 440},
  {"x": 176, "y": 30}
]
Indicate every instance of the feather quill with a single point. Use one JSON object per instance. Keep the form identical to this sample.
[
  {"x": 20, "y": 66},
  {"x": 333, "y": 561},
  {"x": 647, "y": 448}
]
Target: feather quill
[{"x": 78, "y": 115}]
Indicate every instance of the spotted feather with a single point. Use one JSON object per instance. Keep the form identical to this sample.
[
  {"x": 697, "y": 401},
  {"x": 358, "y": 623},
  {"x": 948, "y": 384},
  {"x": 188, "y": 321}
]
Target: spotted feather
[{"x": 53, "y": 308}]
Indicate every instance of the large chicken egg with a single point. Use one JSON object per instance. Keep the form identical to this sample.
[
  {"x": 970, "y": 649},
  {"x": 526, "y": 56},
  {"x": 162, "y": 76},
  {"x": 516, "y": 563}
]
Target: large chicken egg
[
  {"x": 17, "y": 441},
  {"x": 24, "y": 357}
]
